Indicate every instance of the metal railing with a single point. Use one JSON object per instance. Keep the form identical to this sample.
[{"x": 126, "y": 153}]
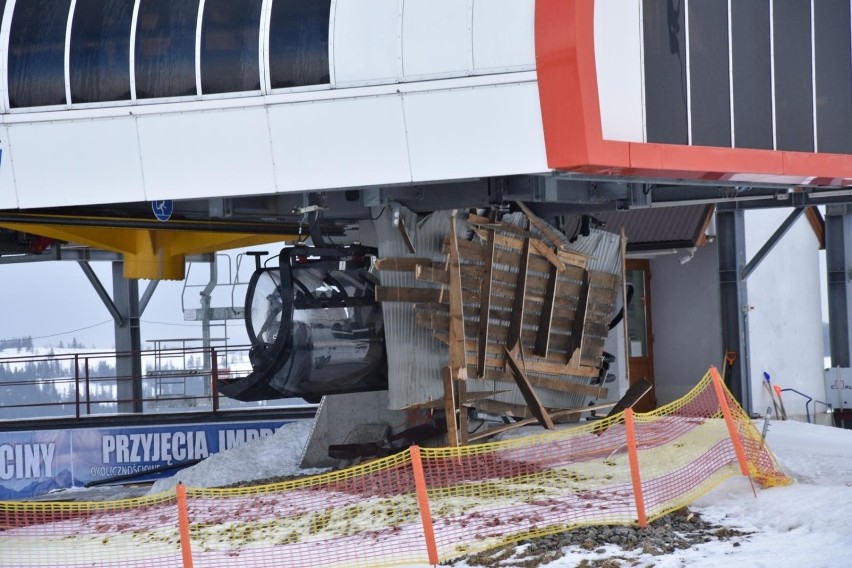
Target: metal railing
[{"x": 81, "y": 383}]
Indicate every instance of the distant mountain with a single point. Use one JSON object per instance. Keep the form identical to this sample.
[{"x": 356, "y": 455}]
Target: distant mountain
[{"x": 63, "y": 480}]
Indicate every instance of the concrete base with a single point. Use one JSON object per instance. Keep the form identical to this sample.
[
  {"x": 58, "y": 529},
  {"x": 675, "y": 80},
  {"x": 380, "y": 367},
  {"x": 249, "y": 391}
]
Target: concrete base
[{"x": 339, "y": 415}]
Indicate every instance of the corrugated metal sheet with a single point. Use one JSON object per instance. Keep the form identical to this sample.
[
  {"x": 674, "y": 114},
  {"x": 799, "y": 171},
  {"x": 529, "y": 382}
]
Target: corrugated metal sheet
[
  {"x": 415, "y": 358},
  {"x": 657, "y": 224}
]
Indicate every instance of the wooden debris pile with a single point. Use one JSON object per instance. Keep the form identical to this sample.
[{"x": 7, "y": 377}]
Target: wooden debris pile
[{"x": 516, "y": 308}]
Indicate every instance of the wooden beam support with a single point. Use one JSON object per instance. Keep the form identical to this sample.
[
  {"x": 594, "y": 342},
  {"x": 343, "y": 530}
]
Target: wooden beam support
[
  {"x": 529, "y": 421},
  {"x": 556, "y": 238},
  {"x": 575, "y": 343},
  {"x": 485, "y": 306},
  {"x": 415, "y": 295},
  {"x": 405, "y": 236},
  {"x": 517, "y": 321},
  {"x": 457, "y": 334},
  {"x": 450, "y": 407},
  {"x": 542, "y": 339},
  {"x": 527, "y": 390},
  {"x": 404, "y": 264},
  {"x": 463, "y": 424}
]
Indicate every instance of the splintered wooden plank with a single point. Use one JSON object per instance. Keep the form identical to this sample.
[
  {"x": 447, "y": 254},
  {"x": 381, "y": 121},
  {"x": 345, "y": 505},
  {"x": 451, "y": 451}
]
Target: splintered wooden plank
[
  {"x": 436, "y": 318},
  {"x": 566, "y": 257},
  {"x": 542, "y": 339},
  {"x": 450, "y": 407},
  {"x": 461, "y": 394},
  {"x": 517, "y": 320},
  {"x": 576, "y": 339},
  {"x": 405, "y": 236},
  {"x": 404, "y": 264},
  {"x": 457, "y": 334},
  {"x": 528, "y": 392},
  {"x": 528, "y": 421},
  {"x": 545, "y": 251},
  {"x": 471, "y": 251},
  {"x": 415, "y": 295},
  {"x": 555, "y": 237},
  {"x": 485, "y": 307}
]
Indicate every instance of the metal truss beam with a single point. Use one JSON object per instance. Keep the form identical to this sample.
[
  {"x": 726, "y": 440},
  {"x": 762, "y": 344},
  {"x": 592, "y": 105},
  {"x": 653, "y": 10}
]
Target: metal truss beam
[{"x": 772, "y": 241}]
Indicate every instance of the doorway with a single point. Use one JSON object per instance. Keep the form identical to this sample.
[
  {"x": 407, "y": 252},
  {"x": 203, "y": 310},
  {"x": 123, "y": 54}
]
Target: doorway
[{"x": 640, "y": 337}]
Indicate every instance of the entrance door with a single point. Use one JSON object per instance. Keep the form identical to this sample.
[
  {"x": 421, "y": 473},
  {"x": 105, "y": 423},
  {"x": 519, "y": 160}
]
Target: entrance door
[{"x": 640, "y": 338}]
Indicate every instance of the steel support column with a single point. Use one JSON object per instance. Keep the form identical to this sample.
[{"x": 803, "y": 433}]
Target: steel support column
[
  {"x": 128, "y": 340},
  {"x": 838, "y": 265},
  {"x": 733, "y": 294}
]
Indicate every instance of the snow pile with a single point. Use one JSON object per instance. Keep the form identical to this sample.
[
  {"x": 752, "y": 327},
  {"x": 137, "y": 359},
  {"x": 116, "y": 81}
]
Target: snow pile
[{"x": 272, "y": 456}]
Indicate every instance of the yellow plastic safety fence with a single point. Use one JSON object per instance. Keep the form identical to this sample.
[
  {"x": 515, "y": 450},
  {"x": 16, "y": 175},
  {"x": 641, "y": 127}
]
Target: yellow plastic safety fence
[{"x": 418, "y": 507}]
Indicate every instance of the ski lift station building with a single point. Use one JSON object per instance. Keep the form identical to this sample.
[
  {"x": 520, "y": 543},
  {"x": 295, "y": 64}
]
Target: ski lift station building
[{"x": 716, "y": 135}]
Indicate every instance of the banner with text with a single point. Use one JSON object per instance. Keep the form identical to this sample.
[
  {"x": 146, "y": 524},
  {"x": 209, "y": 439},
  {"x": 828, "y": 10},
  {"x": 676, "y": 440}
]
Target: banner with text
[{"x": 36, "y": 462}]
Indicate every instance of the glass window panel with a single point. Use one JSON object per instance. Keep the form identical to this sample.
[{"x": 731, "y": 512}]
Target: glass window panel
[
  {"x": 229, "y": 46},
  {"x": 100, "y": 51},
  {"x": 298, "y": 43},
  {"x": 165, "y": 48},
  {"x": 37, "y": 53},
  {"x": 637, "y": 325}
]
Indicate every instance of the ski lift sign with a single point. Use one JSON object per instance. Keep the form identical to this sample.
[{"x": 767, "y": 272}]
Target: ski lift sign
[{"x": 163, "y": 209}]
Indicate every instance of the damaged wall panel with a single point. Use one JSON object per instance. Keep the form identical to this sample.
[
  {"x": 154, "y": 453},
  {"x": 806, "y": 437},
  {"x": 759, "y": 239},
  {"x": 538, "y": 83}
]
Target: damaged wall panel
[{"x": 546, "y": 302}]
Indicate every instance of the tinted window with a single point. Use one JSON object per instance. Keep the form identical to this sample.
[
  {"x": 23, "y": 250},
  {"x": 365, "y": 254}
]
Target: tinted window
[
  {"x": 665, "y": 71},
  {"x": 794, "y": 103},
  {"x": 165, "y": 48},
  {"x": 100, "y": 51},
  {"x": 833, "y": 76},
  {"x": 37, "y": 53},
  {"x": 298, "y": 43},
  {"x": 710, "y": 86},
  {"x": 752, "y": 71},
  {"x": 229, "y": 46}
]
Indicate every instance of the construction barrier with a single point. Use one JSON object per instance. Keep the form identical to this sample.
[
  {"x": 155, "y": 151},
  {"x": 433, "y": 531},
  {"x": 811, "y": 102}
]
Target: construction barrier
[{"x": 418, "y": 507}]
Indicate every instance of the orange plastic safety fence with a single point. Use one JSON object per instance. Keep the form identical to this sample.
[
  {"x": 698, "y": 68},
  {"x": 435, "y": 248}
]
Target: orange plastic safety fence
[
  {"x": 133, "y": 533},
  {"x": 478, "y": 497}
]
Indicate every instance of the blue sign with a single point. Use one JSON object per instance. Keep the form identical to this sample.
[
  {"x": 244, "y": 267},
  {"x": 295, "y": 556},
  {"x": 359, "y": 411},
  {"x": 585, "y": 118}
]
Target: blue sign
[
  {"x": 37, "y": 462},
  {"x": 163, "y": 209}
]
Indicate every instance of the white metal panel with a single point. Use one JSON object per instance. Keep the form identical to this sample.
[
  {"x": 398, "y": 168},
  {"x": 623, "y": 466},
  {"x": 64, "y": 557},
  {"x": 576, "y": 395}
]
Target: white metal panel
[
  {"x": 342, "y": 143},
  {"x": 435, "y": 38},
  {"x": 366, "y": 41},
  {"x": 8, "y": 193},
  {"x": 503, "y": 35},
  {"x": 618, "y": 57},
  {"x": 76, "y": 163},
  {"x": 205, "y": 154},
  {"x": 475, "y": 132}
]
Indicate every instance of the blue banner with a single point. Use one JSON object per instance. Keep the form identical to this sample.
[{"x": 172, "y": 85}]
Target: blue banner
[{"x": 38, "y": 462}]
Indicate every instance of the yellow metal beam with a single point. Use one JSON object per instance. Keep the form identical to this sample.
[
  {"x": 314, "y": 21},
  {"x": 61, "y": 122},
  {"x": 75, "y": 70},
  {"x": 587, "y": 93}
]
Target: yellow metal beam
[{"x": 150, "y": 254}]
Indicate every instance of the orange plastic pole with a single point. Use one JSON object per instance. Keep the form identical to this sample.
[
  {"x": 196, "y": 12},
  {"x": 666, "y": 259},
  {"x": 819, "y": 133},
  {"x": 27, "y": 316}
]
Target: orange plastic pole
[
  {"x": 634, "y": 468},
  {"x": 423, "y": 502},
  {"x": 183, "y": 524},
  {"x": 729, "y": 420}
]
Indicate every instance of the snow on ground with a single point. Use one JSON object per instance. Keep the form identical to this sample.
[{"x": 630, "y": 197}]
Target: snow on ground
[
  {"x": 804, "y": 525},
  {"x": 271, "y": 456}
]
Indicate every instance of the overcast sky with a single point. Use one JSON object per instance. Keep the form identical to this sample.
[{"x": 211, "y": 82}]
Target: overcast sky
[{"x": 54, "y": 301}]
